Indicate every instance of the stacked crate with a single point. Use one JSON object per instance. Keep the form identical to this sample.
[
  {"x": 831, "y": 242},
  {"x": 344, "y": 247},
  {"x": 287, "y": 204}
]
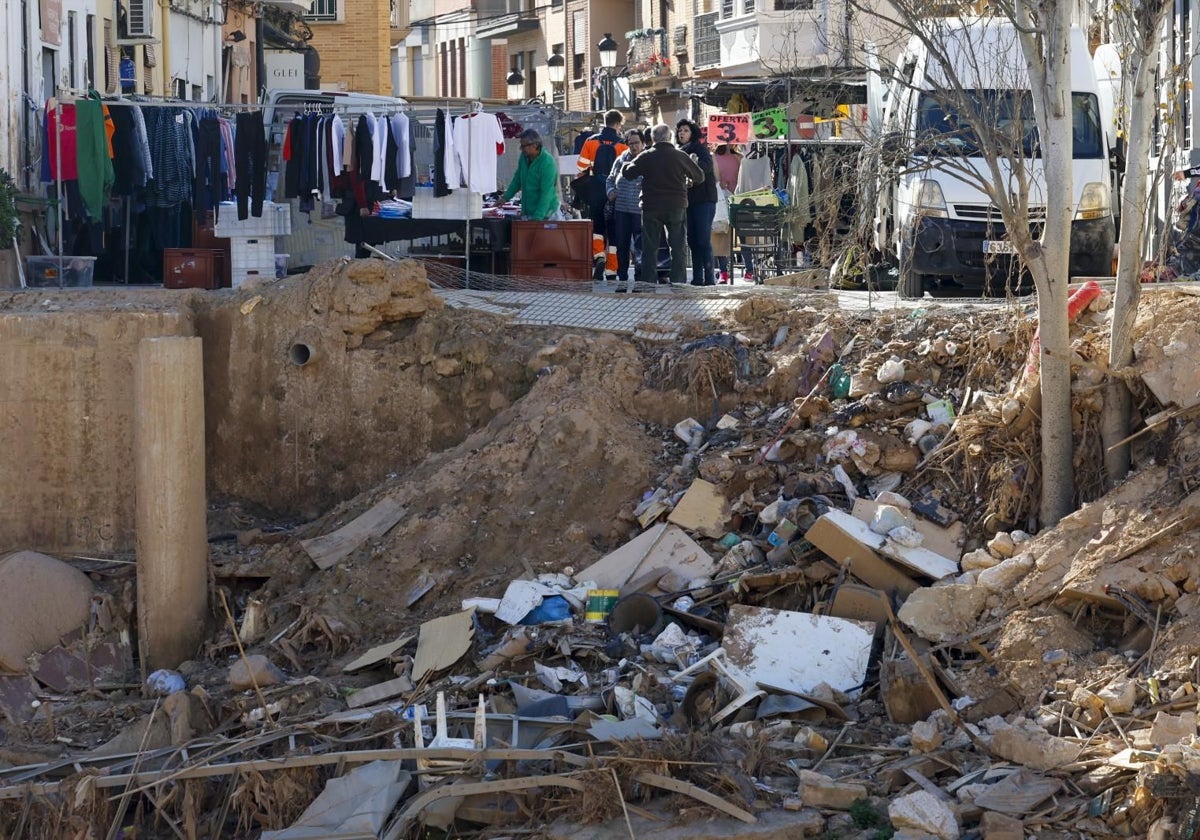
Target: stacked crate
[{"x": 252, "y": 240}]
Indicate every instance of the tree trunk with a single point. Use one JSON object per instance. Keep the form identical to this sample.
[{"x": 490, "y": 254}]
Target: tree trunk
[
  {"x": 1049, "y": 53},
  {"x": 1114, "y": 421}
]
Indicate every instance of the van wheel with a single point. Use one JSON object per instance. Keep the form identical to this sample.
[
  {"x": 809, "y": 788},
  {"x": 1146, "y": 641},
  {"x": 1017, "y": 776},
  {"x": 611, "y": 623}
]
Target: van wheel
[{"x": 911, "y": 285}]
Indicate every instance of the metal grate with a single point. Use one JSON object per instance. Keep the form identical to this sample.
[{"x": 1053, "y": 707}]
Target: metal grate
[{"x": 708, "y": 41}]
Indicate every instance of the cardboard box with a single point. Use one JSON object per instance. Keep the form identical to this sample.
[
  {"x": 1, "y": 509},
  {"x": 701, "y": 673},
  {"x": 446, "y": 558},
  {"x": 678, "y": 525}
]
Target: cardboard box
[{"x": 862, "y": 561}]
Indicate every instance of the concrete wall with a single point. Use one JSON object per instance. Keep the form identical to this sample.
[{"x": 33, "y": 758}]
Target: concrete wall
[
  {"x": 356, "y": 52},
  {"x": 66, "y": 422}
]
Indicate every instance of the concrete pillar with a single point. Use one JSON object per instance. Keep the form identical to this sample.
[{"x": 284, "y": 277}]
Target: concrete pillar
[{"x": 172, "y": 538}]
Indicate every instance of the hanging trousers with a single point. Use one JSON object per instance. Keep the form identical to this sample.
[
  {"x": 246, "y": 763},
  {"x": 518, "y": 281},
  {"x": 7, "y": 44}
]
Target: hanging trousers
[{"x": 250, "y": 157}]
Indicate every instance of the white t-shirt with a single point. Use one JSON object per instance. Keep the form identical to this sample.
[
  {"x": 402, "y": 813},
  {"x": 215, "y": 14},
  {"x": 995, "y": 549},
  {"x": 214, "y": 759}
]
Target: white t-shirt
[{"x": 479, "y": 141}]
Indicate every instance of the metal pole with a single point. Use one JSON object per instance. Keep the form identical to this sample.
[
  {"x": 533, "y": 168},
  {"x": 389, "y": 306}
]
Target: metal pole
[{"x": 58, "y": 126}]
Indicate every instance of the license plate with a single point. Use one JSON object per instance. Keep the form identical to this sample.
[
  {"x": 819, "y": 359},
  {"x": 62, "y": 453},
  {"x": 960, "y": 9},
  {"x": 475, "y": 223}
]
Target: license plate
[{"x": 998, "y": 246}]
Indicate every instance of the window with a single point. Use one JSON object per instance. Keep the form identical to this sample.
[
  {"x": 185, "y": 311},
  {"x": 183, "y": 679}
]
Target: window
[
  {"x": 748, "y": 7},
  {"x": 794, "y": 5},
  {"x": 323, "y": 10},
  {"x": 578, "y": 47},
  {"x": 89, "y": 58}
]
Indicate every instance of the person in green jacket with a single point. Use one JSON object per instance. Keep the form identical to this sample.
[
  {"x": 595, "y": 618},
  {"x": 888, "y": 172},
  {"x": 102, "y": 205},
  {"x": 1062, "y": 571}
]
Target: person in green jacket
[{"x": 536, "y": 179}]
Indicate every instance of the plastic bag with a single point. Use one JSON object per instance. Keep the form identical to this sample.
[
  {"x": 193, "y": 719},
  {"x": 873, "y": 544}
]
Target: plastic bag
[{"x": 721, "y": 218}]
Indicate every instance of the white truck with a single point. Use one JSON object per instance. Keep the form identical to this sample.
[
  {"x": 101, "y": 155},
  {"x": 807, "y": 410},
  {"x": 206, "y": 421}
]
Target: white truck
[{"x": 933, "y": 216}]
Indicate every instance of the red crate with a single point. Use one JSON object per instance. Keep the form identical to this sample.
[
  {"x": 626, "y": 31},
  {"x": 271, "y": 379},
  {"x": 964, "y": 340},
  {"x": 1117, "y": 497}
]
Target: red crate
[
  {"x": 193, "y": 268},
  {"x": 552, "y": 242}
]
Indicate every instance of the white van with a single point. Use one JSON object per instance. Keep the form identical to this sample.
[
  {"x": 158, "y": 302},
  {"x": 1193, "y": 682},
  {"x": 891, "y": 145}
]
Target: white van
[{"x": 933, "y": 216}]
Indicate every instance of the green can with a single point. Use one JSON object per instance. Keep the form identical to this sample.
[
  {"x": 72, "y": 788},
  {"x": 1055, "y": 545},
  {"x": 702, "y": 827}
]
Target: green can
[{"x": 600, "y": 603}]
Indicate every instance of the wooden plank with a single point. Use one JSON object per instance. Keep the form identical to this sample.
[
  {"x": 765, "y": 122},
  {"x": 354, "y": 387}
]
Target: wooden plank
[
  {"x": 380, "y": 691},
  {"x": 699, "y": 794},
  {"x": 328, "y": 550}
]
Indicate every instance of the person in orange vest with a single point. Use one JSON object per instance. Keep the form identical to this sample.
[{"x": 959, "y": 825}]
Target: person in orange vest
[{"x": 598, "y": 154}]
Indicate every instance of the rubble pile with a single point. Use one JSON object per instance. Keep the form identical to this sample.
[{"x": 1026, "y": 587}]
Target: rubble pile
[{"x": 784, "y": 576}]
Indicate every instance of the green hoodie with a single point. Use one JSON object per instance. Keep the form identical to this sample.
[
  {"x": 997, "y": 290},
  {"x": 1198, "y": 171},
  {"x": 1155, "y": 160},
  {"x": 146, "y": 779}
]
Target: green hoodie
[{"x": 537, "y": 182}]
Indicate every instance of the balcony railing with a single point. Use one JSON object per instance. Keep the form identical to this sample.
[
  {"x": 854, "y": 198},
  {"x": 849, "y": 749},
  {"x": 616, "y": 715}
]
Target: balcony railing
[{"x": 648, "y": 55}]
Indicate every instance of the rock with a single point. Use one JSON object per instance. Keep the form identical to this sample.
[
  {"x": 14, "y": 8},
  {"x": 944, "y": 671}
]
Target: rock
[
  {"x": 978, "y": 560},
  {"x": 1171, "y": 729},
  {"x": 819, "y": 791},
  {"x": 895, "y": 500},
  {"x": 1085, "y": 699},
  {"x": 926, "y": 736},
  {"x": 942, "y": 613},
  {"x": 1005, "y": 576},
  {"x": 44, "y": 600},
  {"x": 1119, "y": 696},
  {"x": 254, "y": 670},
  {"x": 887, "y": 518},
  {"x": 996, "y": 826},
  {"x": 890, "y": 371},
  {"x": 922, "y": 811},
  {"x": 1002, "y": 545},
  {"x": 1029, "y": 746}
]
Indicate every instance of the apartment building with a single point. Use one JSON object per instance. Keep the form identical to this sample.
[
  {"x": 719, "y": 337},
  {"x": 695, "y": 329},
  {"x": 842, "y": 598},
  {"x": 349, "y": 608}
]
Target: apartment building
[{"x": 354, "y": 42}]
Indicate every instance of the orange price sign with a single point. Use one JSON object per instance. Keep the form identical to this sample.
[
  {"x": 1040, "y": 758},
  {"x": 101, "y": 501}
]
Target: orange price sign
[{"x": 729, "y": 128}]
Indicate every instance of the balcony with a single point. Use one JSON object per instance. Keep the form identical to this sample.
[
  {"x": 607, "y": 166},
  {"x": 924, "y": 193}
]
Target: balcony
[
  {"x": 502, "y": 18},
  {"x": 399, "y": 21},
  {"x": 650, "y": 64},
  {"x": 780, "y": 36}
]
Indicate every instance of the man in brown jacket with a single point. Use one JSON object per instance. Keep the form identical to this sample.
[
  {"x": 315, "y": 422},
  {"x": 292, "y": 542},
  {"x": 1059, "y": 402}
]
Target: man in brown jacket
[{"x": 666, "y": 174}]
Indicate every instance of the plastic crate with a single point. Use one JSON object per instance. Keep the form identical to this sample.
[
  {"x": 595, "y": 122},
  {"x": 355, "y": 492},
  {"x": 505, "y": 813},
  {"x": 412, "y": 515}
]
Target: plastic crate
[
  {"x": 43, "y": 272},
  {"x": 193, "y": 268},
  {"x": 276, "y": 220},
  {"x": 564, "y": 241},
  {"x": 256, "y": 251}
]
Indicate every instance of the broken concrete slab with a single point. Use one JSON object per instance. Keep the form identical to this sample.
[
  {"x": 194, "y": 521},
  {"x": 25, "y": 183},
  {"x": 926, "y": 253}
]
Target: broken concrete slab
[
  {"x": 82, "y": 667},
  {"x": 942, "y": 613},
  {"x": 328, "y": 550},
  {"x": 45, "y": 600},
  {"x": 662, "y": 548},
  {"x": 1017, "y": 794},
  {"x": 17, "y": 694},
  {"x": 924, "y": 812},
  {"x": 1172, "y": 729},
  {"x": 797, "y": 651},
  {"x": 1026, "y": 744},
  {"x": 703, "y": 509},
  {"x": 816, "y": 790},
  {"x": 377, "y": 654},
  {"x": 379, "y": 692},
  {"x": 996, "y": 826}
]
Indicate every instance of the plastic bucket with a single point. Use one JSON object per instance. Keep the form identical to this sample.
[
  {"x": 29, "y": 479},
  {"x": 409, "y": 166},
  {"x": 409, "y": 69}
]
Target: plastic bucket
[{"x": 600, "y": 603}]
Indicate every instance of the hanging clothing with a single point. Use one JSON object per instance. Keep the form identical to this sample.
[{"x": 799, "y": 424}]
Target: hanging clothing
[
  {"x": 797, "y": 189},
  {"x": 169, "y": 134},
  {"x": 61, "y": 143},
  {"x": 441, "y": 184},
  {"x": 210, "y": 189},
  {"x": 251, "y": 162},
  {"x": 754, "y": 175},
  {"x": 93, "y": 158},
  {"x": 402, "y": 137},
  {"x": 478, "y": 142}
]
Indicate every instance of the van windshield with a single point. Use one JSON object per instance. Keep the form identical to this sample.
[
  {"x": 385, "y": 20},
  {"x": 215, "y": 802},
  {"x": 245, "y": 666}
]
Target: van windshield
[{"x": 947, "y": 124}]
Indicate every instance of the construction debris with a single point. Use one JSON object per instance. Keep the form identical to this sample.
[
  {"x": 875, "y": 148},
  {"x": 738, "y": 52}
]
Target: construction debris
[{"x": 822, "y": 607}]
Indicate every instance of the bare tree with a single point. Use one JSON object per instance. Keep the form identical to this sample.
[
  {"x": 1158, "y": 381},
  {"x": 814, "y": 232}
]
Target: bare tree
[
  {"x": 998, "y": 153},
  {"x": 1139, "y": 27}
]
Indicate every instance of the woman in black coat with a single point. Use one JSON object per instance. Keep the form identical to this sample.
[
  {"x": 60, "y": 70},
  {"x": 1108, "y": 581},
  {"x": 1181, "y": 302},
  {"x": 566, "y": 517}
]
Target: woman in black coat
[{"x": 702, "y": 203}]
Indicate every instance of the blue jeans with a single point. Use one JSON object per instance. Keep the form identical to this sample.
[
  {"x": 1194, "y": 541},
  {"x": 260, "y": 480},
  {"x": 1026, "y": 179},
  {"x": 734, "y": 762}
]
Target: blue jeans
[
  {"x": 654, "y": 224},
  {"x": 627, "y": 232},
  {"x": 699, "y": 236}
]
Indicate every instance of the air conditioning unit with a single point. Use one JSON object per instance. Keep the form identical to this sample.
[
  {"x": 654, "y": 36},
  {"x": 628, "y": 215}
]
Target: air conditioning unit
[
  {"x": 139, "y": 19},
  {"x": 679, "y": 40}
]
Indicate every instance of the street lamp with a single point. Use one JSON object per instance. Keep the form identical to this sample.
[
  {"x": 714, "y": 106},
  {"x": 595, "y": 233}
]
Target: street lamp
[
  {"x": 608, "y": 60},
  {"x": 556, "y": 72},
  {"x": 516, "y": 84}
]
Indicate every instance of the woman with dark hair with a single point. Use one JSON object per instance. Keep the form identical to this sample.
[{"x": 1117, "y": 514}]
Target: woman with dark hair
[
  {"x": 702, "y": 203},
  {"x": 536, "y": 179}
]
